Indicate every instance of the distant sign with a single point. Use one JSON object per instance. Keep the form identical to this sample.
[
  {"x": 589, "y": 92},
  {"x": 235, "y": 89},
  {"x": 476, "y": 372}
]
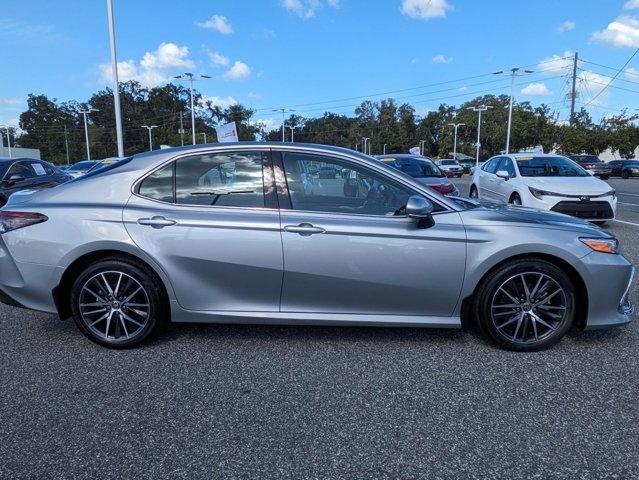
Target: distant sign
[
  {"x": 414, "y": 151},
  {"x": 227, "y": 133}
]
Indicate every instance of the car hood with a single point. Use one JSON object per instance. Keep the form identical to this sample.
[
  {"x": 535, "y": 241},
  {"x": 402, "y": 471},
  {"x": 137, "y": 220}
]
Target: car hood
[
  {"x": 569, "y": 185},
  {"x": 488, "y": 213}
]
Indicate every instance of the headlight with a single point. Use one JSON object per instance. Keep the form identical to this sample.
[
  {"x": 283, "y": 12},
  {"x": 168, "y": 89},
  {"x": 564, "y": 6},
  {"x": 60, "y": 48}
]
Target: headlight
[
  {"x": 611, "y": 193},
  {"x": 603, "y": 245},
  {"x": 540, "y": 193}
]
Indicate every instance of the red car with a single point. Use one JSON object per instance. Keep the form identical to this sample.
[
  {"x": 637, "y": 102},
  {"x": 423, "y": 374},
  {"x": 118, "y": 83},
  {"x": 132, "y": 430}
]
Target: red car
[{"x": 421, "y": 169}]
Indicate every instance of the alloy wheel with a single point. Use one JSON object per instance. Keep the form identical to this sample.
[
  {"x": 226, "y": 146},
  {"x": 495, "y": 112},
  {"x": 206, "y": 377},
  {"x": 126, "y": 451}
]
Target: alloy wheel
[
  {"x": 529, "y": 307},
  {"x": 114, "y": 306}
]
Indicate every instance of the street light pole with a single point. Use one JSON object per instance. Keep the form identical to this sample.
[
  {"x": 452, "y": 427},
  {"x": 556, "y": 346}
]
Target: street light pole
[
  {"x": 364, "y": 144},
  {"x": 116, "y": 90},
  {"x": 514, "y": 72},
  {"x": 421, "y": 147},
  {"x": 283, "y": 111},
  {"x": 191, "y": 77},
  {"x": 150, "y": 128},
  {"x": 479, "y": 109},
  {"x": 86, "y": 127},
  {"x": 292, "y": 132},
  {"x": 456, "y": 126},
  {"x": 384, "y": 152},
  {"x": 203, "y": 133},
  {"x": 6, "y": 127}
]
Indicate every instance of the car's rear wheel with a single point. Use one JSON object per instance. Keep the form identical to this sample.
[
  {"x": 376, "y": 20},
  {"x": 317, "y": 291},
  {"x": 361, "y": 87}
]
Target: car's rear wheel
[
  {"x": 515, "y": 199},
  {"x": 526, "y": 305},
  {"x": 115, "y": 303},
  {"x": 473, "y": 192}
]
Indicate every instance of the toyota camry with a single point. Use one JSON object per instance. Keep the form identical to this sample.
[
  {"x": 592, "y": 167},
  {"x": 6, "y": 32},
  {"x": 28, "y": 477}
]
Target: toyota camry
[{"x": 241, "y": 233}]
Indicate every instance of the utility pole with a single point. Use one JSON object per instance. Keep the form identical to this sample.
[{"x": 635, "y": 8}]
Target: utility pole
[
  {"x": 283, "y": 111},
  {"x": 456, "y": 126},
  {"x": 66, "y": 143},
  {"x": 150, "y": 129},
  {"x": 191, "y": 77},
  {"x": 116, "y": 89},
  {"x": 86, "y": 127},
  {"x": 203, "y": 133},
  {"x": 181, "y": 131},
  {"x": 573, "y": 92},
  {"x": 479, "y": 109}
]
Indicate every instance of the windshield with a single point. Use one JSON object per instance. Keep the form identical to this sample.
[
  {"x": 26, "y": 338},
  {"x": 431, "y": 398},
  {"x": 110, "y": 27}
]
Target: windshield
[
  {"x": 632, "y": 164},
  {"x": 101, "y": 168},
  {"x": 415, "y": 168},
  {"x": 448, "y": 162},
  {"x": 549, "y": 167},
  {"x": 81, "y": 166}
]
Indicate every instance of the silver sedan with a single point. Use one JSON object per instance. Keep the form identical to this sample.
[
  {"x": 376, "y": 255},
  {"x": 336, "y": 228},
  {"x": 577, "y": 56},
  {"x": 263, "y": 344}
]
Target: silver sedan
[{"x": 251, "y": 233}]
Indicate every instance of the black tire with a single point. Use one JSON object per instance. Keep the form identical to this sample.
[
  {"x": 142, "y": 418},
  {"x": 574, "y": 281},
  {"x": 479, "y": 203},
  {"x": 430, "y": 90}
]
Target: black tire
[
  {"x": 491, "y": 289},
  {"x": 473, "y": 192},
  {"x": 600, "y": 222},
  {"x": 605, "y": 177},
  {"x": 3, "y": 201},
  {"x": 135, "y": 275},
  {"x": 625, "y": 174},
  {"x": 515, "y": 199}
]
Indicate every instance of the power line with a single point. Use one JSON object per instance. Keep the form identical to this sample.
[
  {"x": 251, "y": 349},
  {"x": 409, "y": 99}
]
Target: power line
[{"x": 613, "y": 78}]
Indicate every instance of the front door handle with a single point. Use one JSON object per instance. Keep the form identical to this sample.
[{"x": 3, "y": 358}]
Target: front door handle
[
  {"x": 304, "y": 229},
  {"x": 157, "y": 221}
]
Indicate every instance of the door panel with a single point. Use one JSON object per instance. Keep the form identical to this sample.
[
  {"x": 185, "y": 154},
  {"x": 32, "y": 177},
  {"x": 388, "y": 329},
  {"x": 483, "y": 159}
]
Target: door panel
[
  {"x": 217, "y": 258},
  {"x": 372, "y": 265}
]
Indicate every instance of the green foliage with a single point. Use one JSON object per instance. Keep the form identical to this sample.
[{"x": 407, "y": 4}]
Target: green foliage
[{"x": 385, "y": 122}]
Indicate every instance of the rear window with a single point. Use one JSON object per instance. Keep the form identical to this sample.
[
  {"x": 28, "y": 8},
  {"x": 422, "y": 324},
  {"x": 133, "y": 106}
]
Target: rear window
[
  {"x": 448, "y": 162},
  {"x": 102, "y": 169}
]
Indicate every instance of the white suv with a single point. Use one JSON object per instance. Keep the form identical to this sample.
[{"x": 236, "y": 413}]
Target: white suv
[{"x": 547, "y": 182}]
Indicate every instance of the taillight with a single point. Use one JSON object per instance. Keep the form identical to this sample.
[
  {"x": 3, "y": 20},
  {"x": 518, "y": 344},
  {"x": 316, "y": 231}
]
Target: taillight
[{"x": 14, "y": 220}]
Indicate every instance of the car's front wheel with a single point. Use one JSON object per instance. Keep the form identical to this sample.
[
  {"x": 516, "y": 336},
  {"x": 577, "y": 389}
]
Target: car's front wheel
[
  {"x": 473, "y": 192},
  {"x": 116, "y": 303},
  {"x": 515, "y": 199},
  {"x": 526, "y": 305}
]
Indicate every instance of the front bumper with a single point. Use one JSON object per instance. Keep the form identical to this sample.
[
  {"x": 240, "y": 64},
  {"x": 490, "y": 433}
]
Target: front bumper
[
  {"x": 596, "y": 210},
  {"x": 608, "y": 280}
]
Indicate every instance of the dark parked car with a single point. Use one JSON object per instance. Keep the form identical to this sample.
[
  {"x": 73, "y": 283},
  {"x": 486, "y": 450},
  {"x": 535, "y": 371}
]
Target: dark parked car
[
  {"x": 593, "y": 165},
  {"x": 80, "y": 168},
  {"x": 625, "y": 168},
  {"x": 423, "y": 170},
  {"x": 27, "y": 174},
  {"x": 467, "y": 165}
]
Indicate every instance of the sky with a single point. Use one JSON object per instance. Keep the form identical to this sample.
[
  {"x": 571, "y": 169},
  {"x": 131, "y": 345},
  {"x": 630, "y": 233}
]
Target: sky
[{"x": 326, "y": 55}]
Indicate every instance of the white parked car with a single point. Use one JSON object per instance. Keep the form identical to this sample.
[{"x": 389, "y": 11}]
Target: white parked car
[
  {"x": 450, "y": 167},
  {"x": 546, "y": 182}
]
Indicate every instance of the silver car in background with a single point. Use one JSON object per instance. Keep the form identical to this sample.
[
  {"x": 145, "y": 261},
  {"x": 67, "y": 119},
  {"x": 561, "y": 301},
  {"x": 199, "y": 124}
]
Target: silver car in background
[{"x": 248, "y": 233}]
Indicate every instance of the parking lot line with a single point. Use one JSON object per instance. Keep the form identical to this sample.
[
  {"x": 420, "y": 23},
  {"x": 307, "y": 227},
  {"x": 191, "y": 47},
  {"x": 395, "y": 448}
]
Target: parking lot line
[
  {"x": 627, "y": 223},
  {"x": 631, "y": 194},
  {"x": 629, "y": 204}
]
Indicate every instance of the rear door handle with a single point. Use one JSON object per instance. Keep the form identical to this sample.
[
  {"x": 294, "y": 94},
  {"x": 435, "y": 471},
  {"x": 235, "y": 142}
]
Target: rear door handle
[
  {"x": 157, "y": 221},
  {"x": 304, "y": 229}
]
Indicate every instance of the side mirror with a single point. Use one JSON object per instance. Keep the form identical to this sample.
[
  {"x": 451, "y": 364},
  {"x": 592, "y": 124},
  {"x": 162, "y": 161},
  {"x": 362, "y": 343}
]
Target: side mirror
[
  {"x": 15, "y": 178},
  {"x": 503, "y": 174},
  {"x": 420, "y": 209}
]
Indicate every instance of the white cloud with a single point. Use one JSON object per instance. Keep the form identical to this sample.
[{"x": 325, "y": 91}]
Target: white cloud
[
  {"x": 566, "y": 26},
  {"x": 442, "y": 59},
  {"x": 152, "y": 70},
  {"x": 238, "y": 71},
  {"x": 592, "y": 85},
  {"x": 425, "y": 9},
  {"x": 167, "y": 55},
  {"x": 11, "y": 101},
  {"x": 254, "y": 96},
  {"x": 218, "y": 59},
  {"x": 307, "y": 8},
  {"x": 218, "y": 101},
  {"x": 219, "y": 23},
  {"x": 557, "y": 65},
  {"x": 631, "y": 73},
  {"x": 463, "y": 88},
  {"x": 536, "y": 90},
  {"x": 631, "y": 5},
  {"x": 623, "y": 32}
]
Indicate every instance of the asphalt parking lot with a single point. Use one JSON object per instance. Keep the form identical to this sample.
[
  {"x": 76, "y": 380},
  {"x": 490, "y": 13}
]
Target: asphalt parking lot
[{"x": 319, "y": 402}]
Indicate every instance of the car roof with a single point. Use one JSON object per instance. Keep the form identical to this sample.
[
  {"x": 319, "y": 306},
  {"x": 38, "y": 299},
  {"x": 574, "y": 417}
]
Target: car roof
[
  {"x": 15, "y": 159},
  {"x": 530, "y": 154},
  {"x": 399, "y": 156}
]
